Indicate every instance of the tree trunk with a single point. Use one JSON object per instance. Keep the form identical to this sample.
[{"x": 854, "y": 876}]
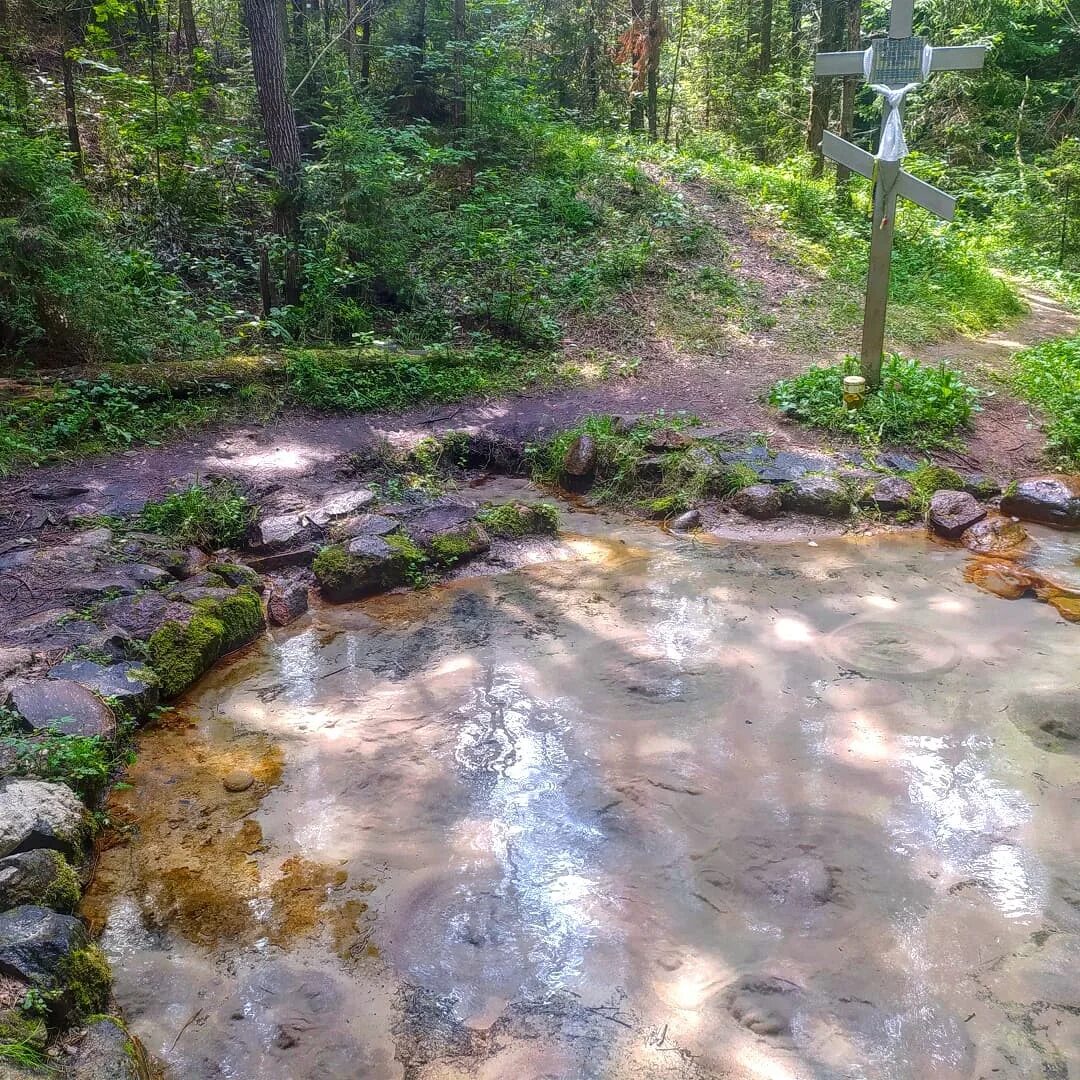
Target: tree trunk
[
  {"x": 365, "y": 45},
  {"x": 279, "y": 126},
  {"x": 675, "y": 69},
  {"x": 457, "y": 104},
  {"x": 350, "y": 36},
  {"x": 189, "y": 31},
  {"x": 765, "y": 56},
  {"x": 67, "y": 65},
  {"x": 652, "y": 73},
  {"x": 850, "y": 88},
  {"x": 637, "y": 45},
  {"x": 821, "y": 93}
]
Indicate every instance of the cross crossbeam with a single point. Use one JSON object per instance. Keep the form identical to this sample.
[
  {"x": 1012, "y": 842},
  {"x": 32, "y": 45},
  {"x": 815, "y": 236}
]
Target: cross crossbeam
[
  {"x": 896, "y": 65},
  {"x": 911, "y": 187}
]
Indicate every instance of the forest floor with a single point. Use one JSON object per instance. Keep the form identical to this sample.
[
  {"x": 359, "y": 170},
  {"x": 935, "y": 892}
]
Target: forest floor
[{"x": 712, "y": 358}]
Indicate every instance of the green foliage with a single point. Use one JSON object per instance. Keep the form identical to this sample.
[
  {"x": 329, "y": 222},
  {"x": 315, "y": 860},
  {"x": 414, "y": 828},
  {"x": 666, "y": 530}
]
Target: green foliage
[
  {"x": 208, "y": 515},
  {"x": 331, "y": 567},
  {"x": 1048, "y": 376},
  {"x": 83, "y": 762},
  {"x": 362, "y": 380},
  {"x": 64, "y": 289},
  {"x": 89, "y": 416},
  {"x": 915, "y": 405},
  {"x": 927, "y": 479},
  {"x": 411, "y": 557},
  {"x": 940, "y": 281}
]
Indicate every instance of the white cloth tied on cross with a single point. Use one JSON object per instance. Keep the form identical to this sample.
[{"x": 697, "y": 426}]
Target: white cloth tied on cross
[{"x": 894, "y": 146}]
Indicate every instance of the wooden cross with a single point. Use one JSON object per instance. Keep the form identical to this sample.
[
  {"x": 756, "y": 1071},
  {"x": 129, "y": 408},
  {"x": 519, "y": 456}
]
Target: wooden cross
[{"x": 893, "y": 65}]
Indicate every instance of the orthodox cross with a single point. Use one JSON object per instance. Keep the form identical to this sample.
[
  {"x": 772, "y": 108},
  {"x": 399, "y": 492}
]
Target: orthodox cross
[{"x": 892, "y": 66}]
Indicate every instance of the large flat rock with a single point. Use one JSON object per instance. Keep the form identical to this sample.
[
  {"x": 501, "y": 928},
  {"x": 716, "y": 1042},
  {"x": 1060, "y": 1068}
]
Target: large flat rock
[
  {"x": 953, "y": 512},
  {"x": 132, "y": 684},
  {"x": 61, "y": 705},
  {"x": 37, "y": 813},
  {"x": 1051, "y": 500},
  {"x": 35, "y": 942}
]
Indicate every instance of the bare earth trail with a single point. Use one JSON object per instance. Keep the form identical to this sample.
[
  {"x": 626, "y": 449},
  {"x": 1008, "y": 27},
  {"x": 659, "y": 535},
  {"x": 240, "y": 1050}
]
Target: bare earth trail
[{"x": 722, "y": 388}]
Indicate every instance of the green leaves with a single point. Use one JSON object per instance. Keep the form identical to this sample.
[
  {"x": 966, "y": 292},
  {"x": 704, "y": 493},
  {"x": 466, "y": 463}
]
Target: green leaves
[
  {"x": 916, "y": 405},
  {"x": 1048, "y": 375}
]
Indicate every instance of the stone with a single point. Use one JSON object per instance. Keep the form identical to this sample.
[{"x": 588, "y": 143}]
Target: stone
[
  {"x": 108, "y": 1051},
  {"x": 282, "y": 531},
  {"x": 686, "y": 522},
  {"x": 141, "y": 615},
  {"x": 650, "y": 468},
  {"x": 191, "y": 594},
  {"x": 35, "y": 943},
  {"x": 824, "y": 496},
  {"x": 279, "y": 560},
  {"x": 994, "y": 536},
  {"x": 663, "y": 440},
  {"x": 366, "y": 565},
  {"x": 61, "y": 631},
  {"x": 39, "y": 814},
  {"x": 1000, "y": 578},
  {"x": 580, "y": 460},
  {"x": 341, "y": 504},
  {"x": 288, "y": 599},
  {"x": 358, "y": 525},
  {"x": 184, "y": 563},
  {"x": 979, "y": 484},
  {"x": 430, "y": 521},
  {"x": 624, "y": 424},
  {"x": 457, "y": 544},
  {"x": 118, "y": 581},
  {"x": 791, "y": 465},
  {"x": 758, "y": 501},
  {"x": 40, "y": 876},
  {"x": 238, "y": 780},
  {"x": 1050, "y": 500},
  {"x": 236, "y": 575},
  {"x": 59, "y": 490},
  {"x": 133, "y": 685},
  {"x": 60, "y": 705},
  {"x": 952, "y": 512},
  {"x": 764, "y": 1004},
  {"x": 899, "y": 462},
  {"x": 892, "y": 493}
]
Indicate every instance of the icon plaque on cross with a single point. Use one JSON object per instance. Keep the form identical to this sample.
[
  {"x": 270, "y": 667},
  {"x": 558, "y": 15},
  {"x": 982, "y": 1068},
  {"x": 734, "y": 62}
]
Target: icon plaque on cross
[{"x": 892, "y": 66}]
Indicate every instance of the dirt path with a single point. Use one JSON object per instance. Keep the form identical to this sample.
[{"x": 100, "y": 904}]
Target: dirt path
[{"x": 722, "y": 385}]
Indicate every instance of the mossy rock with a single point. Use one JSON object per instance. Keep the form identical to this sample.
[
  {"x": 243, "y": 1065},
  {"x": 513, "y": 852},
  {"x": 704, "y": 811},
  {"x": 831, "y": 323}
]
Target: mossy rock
[
  {"x": 366, "y": 565},
  {"x": 86, "y": 979},
  {"x": 520, "y": 519},
  {"x": 459, "y": 544},
  {"x": 108, "y": 1051},
  {"x": 179, "y": 652},
  {"x": 40, "y": 876}
]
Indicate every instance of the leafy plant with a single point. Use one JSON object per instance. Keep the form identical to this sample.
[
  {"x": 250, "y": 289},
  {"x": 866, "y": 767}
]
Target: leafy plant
[
  {"x": 207, "y": 515},
  {"x": 1048, "y": 375},
  {"x": 915, "y": 405},
  {"x": 83, "y": 762}
]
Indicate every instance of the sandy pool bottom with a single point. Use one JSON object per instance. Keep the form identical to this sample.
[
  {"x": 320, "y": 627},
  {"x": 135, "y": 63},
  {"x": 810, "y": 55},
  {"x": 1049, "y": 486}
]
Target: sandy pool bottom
[{"x": 646, "y": 808}]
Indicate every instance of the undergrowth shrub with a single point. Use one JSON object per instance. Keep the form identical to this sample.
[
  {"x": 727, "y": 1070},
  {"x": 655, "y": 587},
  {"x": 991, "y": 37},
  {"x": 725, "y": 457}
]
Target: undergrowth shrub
[
  {"x": 1048, "y": 375},
  {"x": 208, "y": 515},
  {"x": 915, "y": 405},
  {"x": 65, "y": 290}
]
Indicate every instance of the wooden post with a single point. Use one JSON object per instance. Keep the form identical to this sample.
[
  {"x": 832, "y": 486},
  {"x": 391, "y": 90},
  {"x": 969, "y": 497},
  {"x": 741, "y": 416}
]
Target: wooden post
[{"x": 877, "y": 278}]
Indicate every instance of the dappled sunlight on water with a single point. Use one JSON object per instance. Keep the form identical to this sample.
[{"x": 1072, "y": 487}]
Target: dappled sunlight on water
[{"x": 648, "y": 808}]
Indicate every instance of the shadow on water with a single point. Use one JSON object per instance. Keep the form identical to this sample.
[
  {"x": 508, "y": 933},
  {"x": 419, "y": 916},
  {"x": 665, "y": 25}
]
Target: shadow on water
[{"x": 650, "y": 809}]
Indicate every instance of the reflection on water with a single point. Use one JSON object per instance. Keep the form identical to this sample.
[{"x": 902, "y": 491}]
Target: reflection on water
[{"x": 649, "y": 809}]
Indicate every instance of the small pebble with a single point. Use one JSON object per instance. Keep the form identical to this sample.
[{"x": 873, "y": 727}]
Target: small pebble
[{"x": 238, "y": 780}]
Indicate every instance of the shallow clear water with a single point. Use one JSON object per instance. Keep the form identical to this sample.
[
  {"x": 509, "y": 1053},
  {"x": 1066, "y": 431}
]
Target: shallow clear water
[{"x": 647, "y": 808}]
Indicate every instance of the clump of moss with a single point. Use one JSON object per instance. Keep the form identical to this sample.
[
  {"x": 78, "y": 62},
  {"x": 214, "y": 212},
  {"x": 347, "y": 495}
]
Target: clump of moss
[
  {"x": 451, "y": 547},
  {"x": 927, "y": 479},
  {"x": 179, "y": 653},
  {"x": 65, "y": 889},
  {"x": 519, "y": 519},
  {"x": 331, "y": 566},
  {"x": 87, "y": 979},
  {"x": 411, "y": 558}
]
